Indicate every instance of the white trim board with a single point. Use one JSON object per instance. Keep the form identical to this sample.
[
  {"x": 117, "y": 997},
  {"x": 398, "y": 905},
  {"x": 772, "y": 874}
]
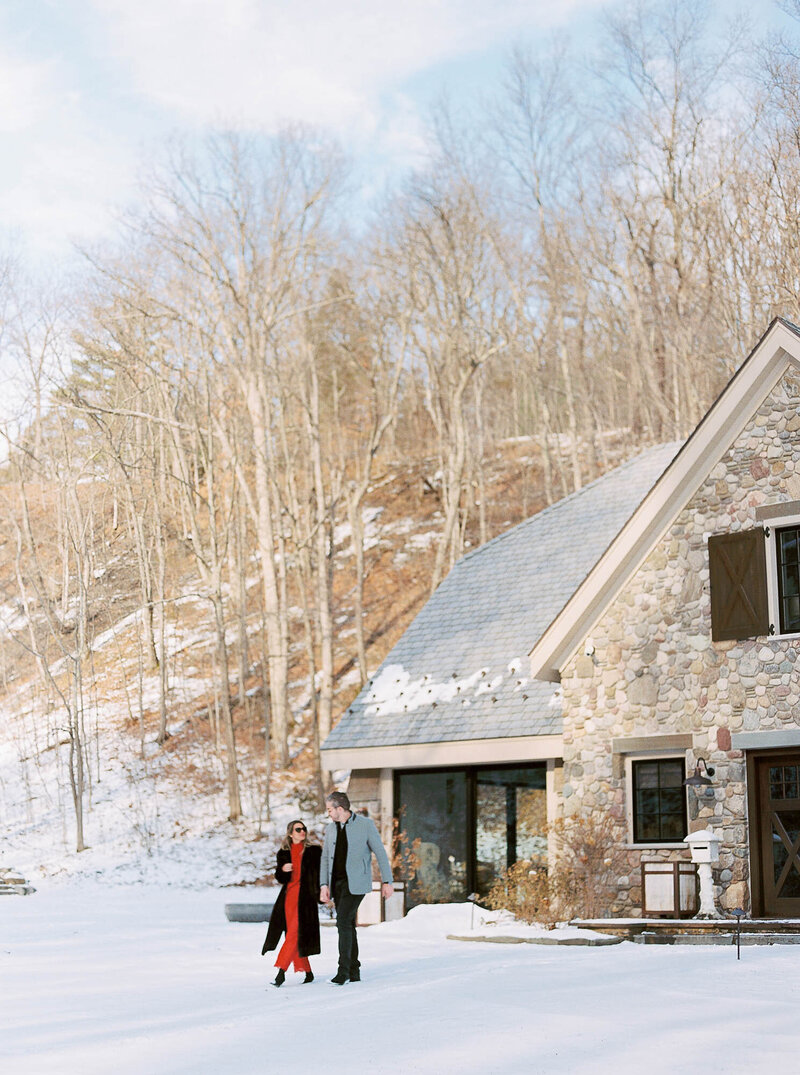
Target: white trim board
[
  {"x": 774, "y": 516},
  {"x": 777, "y": 351},
  {"x": 464, "y": 752},
  {"x": 781, "y": 737}
]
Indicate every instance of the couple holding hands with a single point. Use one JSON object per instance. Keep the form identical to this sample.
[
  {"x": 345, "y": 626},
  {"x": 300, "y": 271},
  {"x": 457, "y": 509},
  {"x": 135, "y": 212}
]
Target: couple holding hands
[{"x": 341, "y": 870}]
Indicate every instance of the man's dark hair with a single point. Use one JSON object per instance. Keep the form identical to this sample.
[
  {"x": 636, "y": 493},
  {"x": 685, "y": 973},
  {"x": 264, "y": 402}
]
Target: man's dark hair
[{"x": 339, "y": 799}]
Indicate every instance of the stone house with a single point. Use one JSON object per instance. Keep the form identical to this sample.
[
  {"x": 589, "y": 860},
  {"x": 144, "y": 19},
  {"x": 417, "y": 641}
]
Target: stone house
[{"x": 586, "y": 661}]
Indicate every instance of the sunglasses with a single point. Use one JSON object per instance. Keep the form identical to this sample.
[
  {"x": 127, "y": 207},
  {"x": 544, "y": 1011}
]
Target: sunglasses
[{"x": 299, "y": 828}]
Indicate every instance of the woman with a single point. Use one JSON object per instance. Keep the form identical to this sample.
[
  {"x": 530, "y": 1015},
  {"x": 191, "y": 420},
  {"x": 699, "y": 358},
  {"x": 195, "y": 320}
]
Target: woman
[{"x": 295, "y": 911}]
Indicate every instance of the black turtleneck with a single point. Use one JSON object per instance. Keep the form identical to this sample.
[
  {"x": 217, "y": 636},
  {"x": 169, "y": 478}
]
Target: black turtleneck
[{"x": 339, "y": 855}]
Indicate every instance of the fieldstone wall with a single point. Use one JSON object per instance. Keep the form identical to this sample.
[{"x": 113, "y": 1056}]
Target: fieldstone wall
[{"x": 655, "y": 671}]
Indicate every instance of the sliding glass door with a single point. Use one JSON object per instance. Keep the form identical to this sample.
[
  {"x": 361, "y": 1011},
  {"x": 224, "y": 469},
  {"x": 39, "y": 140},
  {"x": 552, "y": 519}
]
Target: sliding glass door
[
  {"x": 459, "y": 829},
  {"x": 432, "y": 822},
  {"x": 510, "y": 821}
]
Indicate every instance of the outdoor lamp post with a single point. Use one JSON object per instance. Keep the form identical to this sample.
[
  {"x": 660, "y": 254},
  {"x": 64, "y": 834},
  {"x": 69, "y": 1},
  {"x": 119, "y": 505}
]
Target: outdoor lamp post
[
  {"x": 704, "y": 846},
  {"x": 738, "y": 914},
  {"x": 472, "y": 898}
]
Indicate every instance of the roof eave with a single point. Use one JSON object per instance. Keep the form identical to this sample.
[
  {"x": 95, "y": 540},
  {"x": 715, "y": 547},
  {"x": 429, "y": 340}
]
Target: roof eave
[{"x": 498, "y": 750}]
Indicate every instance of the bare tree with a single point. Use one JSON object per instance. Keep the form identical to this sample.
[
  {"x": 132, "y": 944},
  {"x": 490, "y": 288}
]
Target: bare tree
[
  {"x": 245, "y": 231},
  {"x": 457, "y": 319}
]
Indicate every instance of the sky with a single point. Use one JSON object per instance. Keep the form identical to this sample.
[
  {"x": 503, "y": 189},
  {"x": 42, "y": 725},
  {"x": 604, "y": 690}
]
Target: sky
[{"x": 90, "y": 88}]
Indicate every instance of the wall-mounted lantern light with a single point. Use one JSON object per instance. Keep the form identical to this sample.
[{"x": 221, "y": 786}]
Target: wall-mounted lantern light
[{"x": 697, "y": 780}]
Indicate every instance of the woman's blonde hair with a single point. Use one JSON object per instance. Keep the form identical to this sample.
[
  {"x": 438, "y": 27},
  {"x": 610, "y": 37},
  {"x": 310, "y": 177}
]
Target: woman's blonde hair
[{"x": 287, "y": 840}]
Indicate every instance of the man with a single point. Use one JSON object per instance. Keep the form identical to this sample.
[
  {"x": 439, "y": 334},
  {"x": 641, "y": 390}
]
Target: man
[{"x": 346, "y": 876}]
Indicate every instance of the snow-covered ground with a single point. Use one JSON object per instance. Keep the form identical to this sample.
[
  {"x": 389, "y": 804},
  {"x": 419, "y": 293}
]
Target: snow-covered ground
[{"x": 101, "y": 980}]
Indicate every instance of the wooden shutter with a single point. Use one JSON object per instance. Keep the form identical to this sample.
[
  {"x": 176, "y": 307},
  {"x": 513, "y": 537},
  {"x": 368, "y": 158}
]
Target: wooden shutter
[{"x": 738, "y": 572}]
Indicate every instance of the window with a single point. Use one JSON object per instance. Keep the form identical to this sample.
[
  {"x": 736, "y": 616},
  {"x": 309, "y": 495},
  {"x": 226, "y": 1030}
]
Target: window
[
  {"x": 783, "y": 782},
  {"x": 459, "y": 829},
  {"x": 787, "y": 553},
  {"x": 432, "y": 808},
  {"x": 658, "y": 800},
  {"x": 782, "y": 529},
  {"x": 755, "y": 576}
]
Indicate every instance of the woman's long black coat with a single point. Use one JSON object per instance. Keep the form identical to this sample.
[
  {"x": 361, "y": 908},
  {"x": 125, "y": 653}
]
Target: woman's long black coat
[{"x": 307, "y": 904}]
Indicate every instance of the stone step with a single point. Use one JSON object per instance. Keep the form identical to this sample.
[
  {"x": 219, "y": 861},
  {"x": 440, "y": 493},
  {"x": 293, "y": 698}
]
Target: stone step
[
  {"x": 726, "y": 927},
  {"x": 593, "y": 942},
  {"x": 726, "y": 939}
]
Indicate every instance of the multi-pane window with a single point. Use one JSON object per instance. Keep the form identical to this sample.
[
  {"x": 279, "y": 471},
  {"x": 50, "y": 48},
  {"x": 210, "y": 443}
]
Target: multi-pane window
[
  {"x": 787, "y": 545},
  {"x": 659, "y": 801},
  {"x": 784, "y": 782}
]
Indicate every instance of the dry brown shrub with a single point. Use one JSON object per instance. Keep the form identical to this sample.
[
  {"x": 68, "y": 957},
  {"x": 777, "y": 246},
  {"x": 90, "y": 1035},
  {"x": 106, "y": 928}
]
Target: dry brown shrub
[
  {"x": 588, "y": 859},
  {"x": 405, "y": 852},
  {"x": 524, "y": 890},
  {"x": 580, "y": 882}
]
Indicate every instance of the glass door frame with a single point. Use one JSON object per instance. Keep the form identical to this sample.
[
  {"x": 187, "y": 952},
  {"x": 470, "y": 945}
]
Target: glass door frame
[{"x": 471, "y": 773}]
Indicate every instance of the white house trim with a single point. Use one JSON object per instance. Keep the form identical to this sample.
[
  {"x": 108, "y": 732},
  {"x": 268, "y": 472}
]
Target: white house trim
[
  {"x": 769, "y": 740},
  {"x": 429, "y": 755},
  {"x": 774, "y": 516},
  {"x": 778, "y": 349}
]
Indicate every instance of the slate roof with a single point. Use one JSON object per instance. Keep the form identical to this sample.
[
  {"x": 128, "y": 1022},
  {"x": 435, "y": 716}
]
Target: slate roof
[{"x": 461, "y": 670}]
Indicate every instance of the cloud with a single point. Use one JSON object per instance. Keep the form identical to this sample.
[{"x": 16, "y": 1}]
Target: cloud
[
  {"x": 63, "y": 183},
  {"x": 263, "y": 63},
  {"x": 59, "y": 168},
  {"x": 24, "y": 92},
  {"x": 84, "y": 82}
]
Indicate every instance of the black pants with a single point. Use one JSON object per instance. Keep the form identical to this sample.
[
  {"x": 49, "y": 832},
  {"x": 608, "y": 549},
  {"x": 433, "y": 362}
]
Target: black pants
[{"x": 346, "y": 910}]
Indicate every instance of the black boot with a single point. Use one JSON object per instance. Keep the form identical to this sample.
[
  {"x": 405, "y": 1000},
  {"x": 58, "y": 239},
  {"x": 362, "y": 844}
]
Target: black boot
[
  {"x": 340, "y": 979},
  {"x": 308, "y": 978},
  {"x": 280, "y": 978},
  {"x": 355, "y": 976}
]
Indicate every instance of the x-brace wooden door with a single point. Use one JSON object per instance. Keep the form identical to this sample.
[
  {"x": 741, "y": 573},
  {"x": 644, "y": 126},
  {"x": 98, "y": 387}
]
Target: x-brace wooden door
[{"x": 779, "y": 832}]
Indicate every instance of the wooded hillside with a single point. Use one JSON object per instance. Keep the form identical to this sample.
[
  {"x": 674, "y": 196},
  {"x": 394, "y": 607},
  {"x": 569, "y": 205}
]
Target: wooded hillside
[{"x": 261, "y": 429}]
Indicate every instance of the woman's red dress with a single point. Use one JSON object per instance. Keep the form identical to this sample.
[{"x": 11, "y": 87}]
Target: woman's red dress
[{"x": 289, "y": 953}]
